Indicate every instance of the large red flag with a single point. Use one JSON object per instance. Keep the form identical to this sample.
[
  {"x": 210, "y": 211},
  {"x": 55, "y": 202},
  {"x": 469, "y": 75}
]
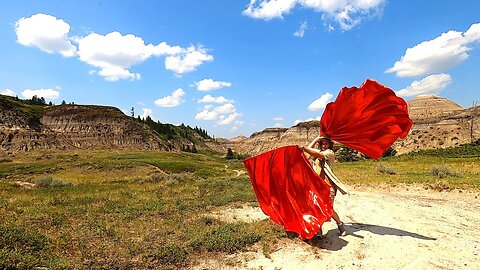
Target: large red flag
[
  {"x": 289, "y": 191},
  {"x": 368, "y": 119}
]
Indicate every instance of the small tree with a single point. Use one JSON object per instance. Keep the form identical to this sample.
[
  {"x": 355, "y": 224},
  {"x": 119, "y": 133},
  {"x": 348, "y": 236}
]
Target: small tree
[
  {"x": 229, "y": 154},
  {"x": 390, "y": 152}
]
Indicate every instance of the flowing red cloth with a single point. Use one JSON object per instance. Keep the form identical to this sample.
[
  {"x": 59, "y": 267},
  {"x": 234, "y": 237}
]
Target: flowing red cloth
[
  {"x": 368, "y": 119},
  {"x": 289, "y": 191}
]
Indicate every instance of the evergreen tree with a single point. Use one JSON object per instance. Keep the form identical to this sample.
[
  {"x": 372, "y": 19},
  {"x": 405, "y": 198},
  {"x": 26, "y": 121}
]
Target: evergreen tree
[{"x": 230, "y": 154}]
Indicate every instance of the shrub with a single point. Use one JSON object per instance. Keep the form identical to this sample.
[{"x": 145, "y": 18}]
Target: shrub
[
  {"x": 49, "y": 181},
  {"x": 387, "y": 170},
  {"x": 443, "y": 171},
  {"x": 439, "y": 185}
]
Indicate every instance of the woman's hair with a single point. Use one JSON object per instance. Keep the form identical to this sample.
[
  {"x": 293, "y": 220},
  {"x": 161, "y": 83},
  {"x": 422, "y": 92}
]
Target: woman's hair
[{"x": 329, "y": 141}]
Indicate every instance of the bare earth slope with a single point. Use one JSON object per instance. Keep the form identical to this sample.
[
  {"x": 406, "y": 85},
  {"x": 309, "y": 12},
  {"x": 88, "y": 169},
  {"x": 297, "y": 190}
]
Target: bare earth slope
[{"x": 388, "y": 228}]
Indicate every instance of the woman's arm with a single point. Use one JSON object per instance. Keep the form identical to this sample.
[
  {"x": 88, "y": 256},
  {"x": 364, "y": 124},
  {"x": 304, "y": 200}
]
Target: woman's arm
[{"x": 311, "y": 150}]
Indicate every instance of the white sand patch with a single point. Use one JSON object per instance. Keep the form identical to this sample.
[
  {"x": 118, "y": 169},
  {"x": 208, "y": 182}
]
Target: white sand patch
[{"x": 399, "y": 227}]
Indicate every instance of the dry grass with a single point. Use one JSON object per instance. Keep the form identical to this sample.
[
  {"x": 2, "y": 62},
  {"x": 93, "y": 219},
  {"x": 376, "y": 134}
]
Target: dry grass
[{"x": 140, "y": 210}]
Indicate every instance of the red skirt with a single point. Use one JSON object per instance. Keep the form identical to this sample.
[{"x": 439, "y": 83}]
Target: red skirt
[{"x": 289, "y": 191}]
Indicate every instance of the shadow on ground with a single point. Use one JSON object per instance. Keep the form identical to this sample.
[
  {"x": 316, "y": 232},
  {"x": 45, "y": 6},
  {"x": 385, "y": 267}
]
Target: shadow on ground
[
  {"x": 331, "y": 240},
  {"x": 382, "y": 230}
]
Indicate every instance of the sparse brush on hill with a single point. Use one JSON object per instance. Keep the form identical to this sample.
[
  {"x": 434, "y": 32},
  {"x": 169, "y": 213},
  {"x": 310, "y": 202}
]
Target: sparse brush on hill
[{"x": 462, "y": 151}]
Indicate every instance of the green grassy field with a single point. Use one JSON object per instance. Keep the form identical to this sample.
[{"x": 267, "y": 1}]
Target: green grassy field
[{"x": 134, "y": 209}]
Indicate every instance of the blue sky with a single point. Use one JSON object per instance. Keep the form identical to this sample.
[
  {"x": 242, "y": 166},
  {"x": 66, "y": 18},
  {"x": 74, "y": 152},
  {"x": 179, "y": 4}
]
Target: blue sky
[{"x": 236, "y": 67}]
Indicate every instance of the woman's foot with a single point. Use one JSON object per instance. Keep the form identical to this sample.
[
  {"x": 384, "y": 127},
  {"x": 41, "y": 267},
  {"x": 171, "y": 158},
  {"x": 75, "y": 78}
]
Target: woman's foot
[{"x": 341, "y": 229}]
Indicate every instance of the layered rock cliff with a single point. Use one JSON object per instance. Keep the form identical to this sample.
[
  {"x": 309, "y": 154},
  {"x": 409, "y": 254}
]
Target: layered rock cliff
[
  {"x": 438, "y": 123},
  {"x": 24, "y": 128}
]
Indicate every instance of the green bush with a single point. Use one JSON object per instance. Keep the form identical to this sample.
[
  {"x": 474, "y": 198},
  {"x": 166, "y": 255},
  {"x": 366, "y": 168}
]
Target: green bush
[{"x": 49, "y": 181}]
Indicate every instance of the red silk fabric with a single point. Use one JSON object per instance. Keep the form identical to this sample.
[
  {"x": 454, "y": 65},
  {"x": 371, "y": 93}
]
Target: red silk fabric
[
  {"x": 289, "y": 191},
  {"x": 368, "y": 119}
]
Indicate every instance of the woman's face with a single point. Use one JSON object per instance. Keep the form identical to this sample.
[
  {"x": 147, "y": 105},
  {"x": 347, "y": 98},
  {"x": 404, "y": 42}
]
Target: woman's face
[{"x": 324, "y": 145}]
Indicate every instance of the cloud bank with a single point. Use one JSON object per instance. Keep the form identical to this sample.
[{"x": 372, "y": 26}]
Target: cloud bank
[
  {"x": 114, "y": 54},
  {"x": 346, "y": 13}
]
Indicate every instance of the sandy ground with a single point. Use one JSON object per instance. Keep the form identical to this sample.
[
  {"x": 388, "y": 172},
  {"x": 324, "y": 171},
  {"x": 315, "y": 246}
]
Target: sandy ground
[{"x": 401, "y": 227}]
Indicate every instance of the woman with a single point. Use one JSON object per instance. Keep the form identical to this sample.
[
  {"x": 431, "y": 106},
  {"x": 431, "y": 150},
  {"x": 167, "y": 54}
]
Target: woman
[{"x": 324, "y": 159}]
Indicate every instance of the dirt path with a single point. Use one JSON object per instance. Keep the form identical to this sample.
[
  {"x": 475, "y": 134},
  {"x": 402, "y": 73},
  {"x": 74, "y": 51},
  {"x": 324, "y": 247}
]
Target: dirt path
[{"x": 388, "y": 228}]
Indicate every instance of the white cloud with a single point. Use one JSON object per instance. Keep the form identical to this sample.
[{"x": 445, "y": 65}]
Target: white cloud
[
  {"x": 278, "y": 119},
  {"x": 225, "y": 109},
  {"x": 268, "y": 10},
  {"x": 321, "y": 102},
  {"x": 118, "y": 73},
  {"x": 45, "y": 32},
  {"x": 171, "y": 101},
  {"x": 188, "y": 60},
  {"x": 224, "y": 114},
  {"x": 113, "y": 54},
  {"x": 432, "y": 84},
  {"x": 206, "y": 114},
  {"x": 236, "y": 125},
  {"x": 225, "y": 120},
  {"x": 300, "y": 32},
  {"x": 146, "y": 112},
  {"x": 446, "y": 51},
  {"x": 306, "y": 120},
  {"x": 347, "y": 13},
  {"x": 278, "y": 125},
  {"x": 209, "y": 84},
  {"x": 8, "y": 92},
  {"x": 211, "y": 99},
  {"x": 45, "y": 93}
]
